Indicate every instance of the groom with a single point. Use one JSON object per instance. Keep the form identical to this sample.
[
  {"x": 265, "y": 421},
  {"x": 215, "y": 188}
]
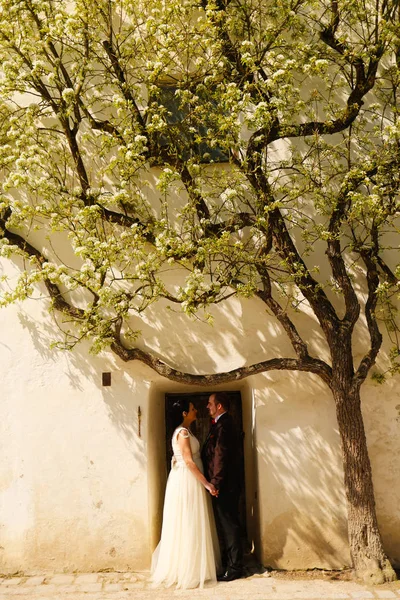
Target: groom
[{"x": 221, "y": 465}]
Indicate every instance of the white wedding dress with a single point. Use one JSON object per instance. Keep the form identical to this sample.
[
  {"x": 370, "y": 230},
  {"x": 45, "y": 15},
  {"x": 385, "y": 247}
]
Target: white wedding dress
[{"x": 188, "y": 552}]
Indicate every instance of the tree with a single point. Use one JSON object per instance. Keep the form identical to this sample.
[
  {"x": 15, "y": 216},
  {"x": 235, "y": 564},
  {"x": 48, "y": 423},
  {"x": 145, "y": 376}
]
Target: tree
[{"x": 298, "y": 101}]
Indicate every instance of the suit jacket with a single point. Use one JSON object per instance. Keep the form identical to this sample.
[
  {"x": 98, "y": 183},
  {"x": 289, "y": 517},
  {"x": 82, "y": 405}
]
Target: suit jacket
[{"x": 220, "y": 455}]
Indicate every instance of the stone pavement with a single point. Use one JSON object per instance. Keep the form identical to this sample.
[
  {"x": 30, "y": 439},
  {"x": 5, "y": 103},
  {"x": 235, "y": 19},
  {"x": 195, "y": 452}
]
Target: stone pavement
[{"x": 136, "y": 586}]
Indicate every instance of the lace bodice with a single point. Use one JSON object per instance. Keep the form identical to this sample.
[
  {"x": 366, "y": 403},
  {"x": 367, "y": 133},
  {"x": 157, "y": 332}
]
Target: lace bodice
[{"x": 177, "y": 459}]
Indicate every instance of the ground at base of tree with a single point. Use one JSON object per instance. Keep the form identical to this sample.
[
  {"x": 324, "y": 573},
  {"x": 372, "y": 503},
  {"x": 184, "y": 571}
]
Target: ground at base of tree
[
  {"x": 334, "y": 575},
  {"x": 343, "y": 575}
]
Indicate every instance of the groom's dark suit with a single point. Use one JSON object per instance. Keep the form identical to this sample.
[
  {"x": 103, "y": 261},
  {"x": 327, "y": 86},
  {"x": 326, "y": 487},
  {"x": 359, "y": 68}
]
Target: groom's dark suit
[{"x": 222, "y": 468}]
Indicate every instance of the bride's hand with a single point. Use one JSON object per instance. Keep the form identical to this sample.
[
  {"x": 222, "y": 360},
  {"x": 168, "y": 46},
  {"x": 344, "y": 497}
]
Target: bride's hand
[{"x": 212, "y": 489}]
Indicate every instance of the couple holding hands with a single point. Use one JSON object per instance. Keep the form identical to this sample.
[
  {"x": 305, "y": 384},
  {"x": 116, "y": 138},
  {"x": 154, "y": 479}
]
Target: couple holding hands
[{"x": 201, "y": 492}]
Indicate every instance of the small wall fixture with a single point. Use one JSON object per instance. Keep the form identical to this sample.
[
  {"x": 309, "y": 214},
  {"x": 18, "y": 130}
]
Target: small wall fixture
[
  {"x": 106, "y": 379},
  {"x": 139, "y": 418}
]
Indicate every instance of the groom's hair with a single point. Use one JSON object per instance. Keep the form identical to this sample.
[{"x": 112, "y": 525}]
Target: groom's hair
[{"x": 223, "y": 399}]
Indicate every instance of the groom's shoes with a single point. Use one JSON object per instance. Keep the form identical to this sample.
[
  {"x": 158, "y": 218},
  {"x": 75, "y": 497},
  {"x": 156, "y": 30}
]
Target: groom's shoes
[{"x": 230, "y": 575}]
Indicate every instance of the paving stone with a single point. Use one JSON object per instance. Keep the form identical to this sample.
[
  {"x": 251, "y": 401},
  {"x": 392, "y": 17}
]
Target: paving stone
[
  {"x": 133, "y": 586},
  {"x": 305, "y": 595},
  {"x": 113, "y": 587},
  {"x": 87, "y": 578},
  {"x": 12, "y": 581},
  {"x": 61, "y": 579},
  {"x": 112, "y": 575},
  {"x": 37, "y": 580},
  {"x": 90, "y": 587},
  {"x": 114, "y": 596},
  {"x": 49, "y": 587}
]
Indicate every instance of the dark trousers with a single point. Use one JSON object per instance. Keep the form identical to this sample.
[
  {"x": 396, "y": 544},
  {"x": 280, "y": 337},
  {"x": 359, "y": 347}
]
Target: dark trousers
[{"x": 226, "y": 510}]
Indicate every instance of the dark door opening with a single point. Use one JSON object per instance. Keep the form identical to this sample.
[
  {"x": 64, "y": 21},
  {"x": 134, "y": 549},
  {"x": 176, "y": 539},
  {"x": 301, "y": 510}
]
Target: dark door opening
[{"x": 200, "y": 429}]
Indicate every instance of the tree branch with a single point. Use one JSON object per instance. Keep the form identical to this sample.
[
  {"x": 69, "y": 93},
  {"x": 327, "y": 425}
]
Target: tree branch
[
  {"x": 306, "y": 363},
  {"x": 391, "y": 277},
  {"x": 287, "y": 250},
  {"x": 123, "y": 85},
  {"x": 334, "y": 253},
  {"x": 365, "y": 81},
  {"x": 58, "y": 301},
  {"x": 300, "y": 347},
  {"x": 375, "y": 335},
  {"x": 237, "y": 71},
  {"x": 187, "y": 180},
  {"x": 162, "y": 368}
]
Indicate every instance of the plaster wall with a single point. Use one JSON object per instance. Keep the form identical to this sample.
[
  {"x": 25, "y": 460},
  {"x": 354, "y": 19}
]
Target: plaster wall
[
  {"x": 81, "y": 489},
  {"x": 73, "y": 482}
]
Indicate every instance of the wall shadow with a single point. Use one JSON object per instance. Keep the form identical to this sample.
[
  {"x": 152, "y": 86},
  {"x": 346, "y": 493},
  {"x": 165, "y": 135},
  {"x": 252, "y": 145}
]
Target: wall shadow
[
  {"x": 294, "y": 495},
  {"x": 299, "y": 461}
]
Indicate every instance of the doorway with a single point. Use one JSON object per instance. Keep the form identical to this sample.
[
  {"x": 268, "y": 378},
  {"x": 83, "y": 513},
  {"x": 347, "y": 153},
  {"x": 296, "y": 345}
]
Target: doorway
[{"x": 200, "y": 429}]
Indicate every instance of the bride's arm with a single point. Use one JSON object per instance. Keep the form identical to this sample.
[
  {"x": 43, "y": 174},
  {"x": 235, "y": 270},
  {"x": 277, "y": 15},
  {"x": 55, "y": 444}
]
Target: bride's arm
[{"x": 184, "y": 446}]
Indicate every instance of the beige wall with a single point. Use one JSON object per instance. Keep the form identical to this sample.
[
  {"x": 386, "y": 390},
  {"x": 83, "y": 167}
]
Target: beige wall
[
  {"x": 79, "y": 489},
  {"x": 73, "y": 480}
]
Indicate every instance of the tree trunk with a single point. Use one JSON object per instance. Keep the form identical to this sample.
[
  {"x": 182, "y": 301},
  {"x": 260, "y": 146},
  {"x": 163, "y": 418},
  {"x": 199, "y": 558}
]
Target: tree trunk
[{"x": 369, "y": 559}]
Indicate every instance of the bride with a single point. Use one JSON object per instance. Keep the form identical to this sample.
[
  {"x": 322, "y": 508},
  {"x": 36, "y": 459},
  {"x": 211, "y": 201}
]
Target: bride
[{"x": 188, "y": 552}]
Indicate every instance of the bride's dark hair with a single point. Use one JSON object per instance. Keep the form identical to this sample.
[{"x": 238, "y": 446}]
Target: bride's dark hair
[{"x": 177, "y": 409}]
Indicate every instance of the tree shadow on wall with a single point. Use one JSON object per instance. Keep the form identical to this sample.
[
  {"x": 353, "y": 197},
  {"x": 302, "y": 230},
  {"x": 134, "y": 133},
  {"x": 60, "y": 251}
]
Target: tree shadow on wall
[
  {"x": 303, "y": 501},
  {"x": 289, "y": 449}
]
